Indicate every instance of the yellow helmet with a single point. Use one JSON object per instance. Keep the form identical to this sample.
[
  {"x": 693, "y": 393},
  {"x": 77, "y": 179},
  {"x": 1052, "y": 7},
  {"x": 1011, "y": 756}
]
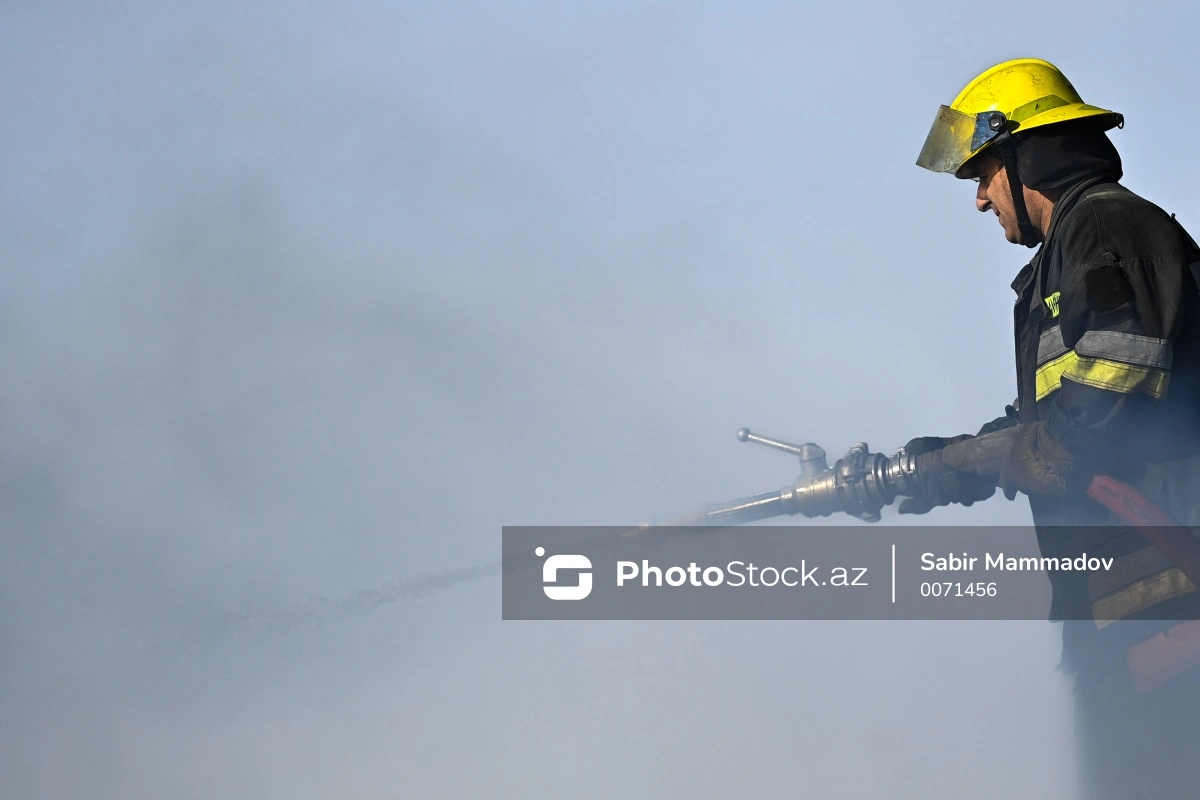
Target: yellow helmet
[{"x": 1009, "y": 98}]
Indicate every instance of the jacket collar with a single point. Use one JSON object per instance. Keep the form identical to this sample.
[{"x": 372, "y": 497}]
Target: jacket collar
[
  {"x": 1064, "y": 204},
  {"x": 1068, "y": 201}
]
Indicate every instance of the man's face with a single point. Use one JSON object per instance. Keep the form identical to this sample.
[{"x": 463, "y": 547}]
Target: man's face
[{"x": 995, "y": 195}]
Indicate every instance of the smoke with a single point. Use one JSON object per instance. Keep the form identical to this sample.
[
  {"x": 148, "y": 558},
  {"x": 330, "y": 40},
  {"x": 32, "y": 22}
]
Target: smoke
[{"x": 296, "y": 301}]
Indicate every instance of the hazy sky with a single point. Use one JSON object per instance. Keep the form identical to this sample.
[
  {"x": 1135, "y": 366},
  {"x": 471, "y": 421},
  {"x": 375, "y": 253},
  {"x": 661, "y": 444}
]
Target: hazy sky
[{"x": 299, "y": 299}]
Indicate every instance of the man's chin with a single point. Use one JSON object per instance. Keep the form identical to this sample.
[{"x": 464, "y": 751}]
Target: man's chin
[{"x": 1017, "y": 238}]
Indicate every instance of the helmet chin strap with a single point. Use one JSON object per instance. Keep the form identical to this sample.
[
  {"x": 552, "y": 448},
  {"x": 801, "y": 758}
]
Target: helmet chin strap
[{"x": 1030, "y": 236}]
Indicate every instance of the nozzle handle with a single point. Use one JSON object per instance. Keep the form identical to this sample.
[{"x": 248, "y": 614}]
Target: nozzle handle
[
  {"x": 744, "y": 435},
  {"x": 812, "y": 456}
]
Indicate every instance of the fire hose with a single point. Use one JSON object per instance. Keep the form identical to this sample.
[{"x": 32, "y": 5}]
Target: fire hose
[{"x": 862, "y": 483}]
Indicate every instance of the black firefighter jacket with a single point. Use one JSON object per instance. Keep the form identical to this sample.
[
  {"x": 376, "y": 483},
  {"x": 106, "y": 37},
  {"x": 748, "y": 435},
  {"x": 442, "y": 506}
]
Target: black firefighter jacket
[{"x": 1107, "y": 324}]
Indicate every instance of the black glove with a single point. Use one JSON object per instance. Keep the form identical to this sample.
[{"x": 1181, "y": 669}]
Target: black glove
[
  {"x": 1010, "y": 420},
  {"x": 940, "y": 484},
  {"x": 1037, "y": 465}
]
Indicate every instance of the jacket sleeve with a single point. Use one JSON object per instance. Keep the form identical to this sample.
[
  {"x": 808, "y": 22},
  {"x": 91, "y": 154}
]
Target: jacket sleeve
[{"x": 1108, "y": 361}]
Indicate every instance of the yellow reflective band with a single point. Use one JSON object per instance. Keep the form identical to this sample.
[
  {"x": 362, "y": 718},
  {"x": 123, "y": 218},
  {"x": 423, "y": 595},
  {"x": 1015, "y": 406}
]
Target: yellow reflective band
[
  {"x": 1049, "y": 375},
  {"x": 1052, "y": 303},
  {"x": 1140, "y": 596},
  {"x": 1101, "y": 374}
]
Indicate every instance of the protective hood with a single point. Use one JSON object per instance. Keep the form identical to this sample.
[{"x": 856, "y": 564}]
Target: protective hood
[{"x": 1057, "y": 158}]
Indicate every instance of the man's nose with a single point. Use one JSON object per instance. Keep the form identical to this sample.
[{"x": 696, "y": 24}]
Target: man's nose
[{"x": 981, "y": 199}]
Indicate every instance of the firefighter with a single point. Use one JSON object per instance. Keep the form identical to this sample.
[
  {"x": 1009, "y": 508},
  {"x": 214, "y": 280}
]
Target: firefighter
[{"x": 1107, "y": 327}]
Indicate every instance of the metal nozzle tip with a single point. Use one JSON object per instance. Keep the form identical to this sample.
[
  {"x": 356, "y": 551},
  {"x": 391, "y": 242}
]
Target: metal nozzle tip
[{"x": 743, "y": 434}]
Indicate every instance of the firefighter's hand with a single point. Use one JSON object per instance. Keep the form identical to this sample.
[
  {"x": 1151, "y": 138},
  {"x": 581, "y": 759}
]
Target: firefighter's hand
[
  {"x": 1037, "y": 465},
  {"x": 942, "y": 485}
]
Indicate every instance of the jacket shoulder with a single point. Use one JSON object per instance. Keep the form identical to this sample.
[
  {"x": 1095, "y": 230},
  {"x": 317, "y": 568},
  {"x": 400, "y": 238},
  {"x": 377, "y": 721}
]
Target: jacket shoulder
[{"x": 1111, "y": 222}]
